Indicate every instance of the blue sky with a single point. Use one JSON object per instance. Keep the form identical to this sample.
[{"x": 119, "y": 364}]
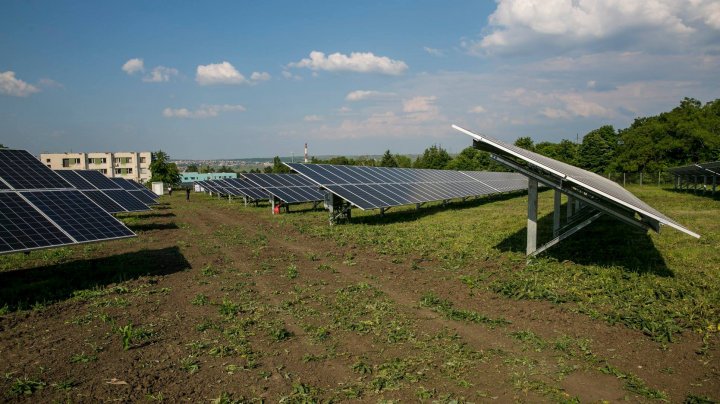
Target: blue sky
[{"x": 246, "y": 79}]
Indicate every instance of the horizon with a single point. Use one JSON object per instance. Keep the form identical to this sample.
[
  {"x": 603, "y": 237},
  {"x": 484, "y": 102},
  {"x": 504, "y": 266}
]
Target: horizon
[{"x": 349, "y": 79}]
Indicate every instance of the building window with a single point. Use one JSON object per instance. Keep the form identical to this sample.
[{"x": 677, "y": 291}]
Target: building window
[
  {"x": 70, "y": 162},
  {"x": 123, "y": 160},
  {"x": 143, "y": 159},
  {"x": 98, "y": 160},
  {"x": 47, "y": 160},
  {"x": 103, "y": 170},
  {"x": 123, "y": 171}
]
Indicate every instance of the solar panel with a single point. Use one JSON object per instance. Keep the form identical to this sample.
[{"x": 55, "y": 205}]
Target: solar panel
[
  {"x": 126, "y": 200},
  {"x": 123, "y": 183},
  {"x": 98, "y": 180},
  {"x": 21, "y": 170},
  {"x": 23, "y": 228},
  {"x": 248, "y": 188},
  {"x": 75, "y": 179},
  {"x": 593, "y": 185},
  {"x": 82, "y": 219},
  {"x": 145, "y": 191},
  {"x": 290, "y": 188},
  {"x": 104, "y": 201},
  {"x": 383, "y": 187}
]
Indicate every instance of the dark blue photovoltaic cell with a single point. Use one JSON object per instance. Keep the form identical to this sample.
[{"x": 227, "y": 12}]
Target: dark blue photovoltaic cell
[
  {"x": 75, "y": 179},
  {"x": 126, "y": 200},
  {"x": 146, "y": 191},
  {"x": 381, "y": 187},
  {"x": 290, "y": 188},
  {"x": 140, "y": 195},
  {"x": 23, "y": 171},
  {"x": 77, "y": 215},
  {"x": 98, "y": 180},
  {"x": 23, "y": 228},
  {"x": 249, "y": 189},
  {"x": 123, "y": 183},
  {"x": 104, "y": 201}
]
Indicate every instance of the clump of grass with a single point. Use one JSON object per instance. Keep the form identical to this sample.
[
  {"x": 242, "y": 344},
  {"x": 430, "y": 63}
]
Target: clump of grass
[
  {"x": 445, "y": 307},
  {"x": 292, "y": 271},
  {"x": 228, "y": 308},
  {"x": 280, "y": 334},
  {"x": 25, "y": 386},
  {"x": 190, "y": 364},
  {"x": 200, "y": 300},
  {"x": 129, "y": 334}
]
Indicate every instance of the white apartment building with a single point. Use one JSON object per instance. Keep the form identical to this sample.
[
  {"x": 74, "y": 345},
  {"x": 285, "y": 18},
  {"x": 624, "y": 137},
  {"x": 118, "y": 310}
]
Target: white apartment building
[{"x": 131, "y": 165}]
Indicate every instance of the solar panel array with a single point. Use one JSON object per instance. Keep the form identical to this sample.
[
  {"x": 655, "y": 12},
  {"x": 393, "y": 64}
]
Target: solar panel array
[
  {"x": 384, "y": 187},
  {"x": 704, "y": 169},
  {"x": 103, "y": 191},
  {"x": 289, "y": 188},
  {"x": 40, "y": 209},
  {"x": 590, "y": 183},
  {"x": 234, "y": 187},
  {"x": 141, "y": 193}
]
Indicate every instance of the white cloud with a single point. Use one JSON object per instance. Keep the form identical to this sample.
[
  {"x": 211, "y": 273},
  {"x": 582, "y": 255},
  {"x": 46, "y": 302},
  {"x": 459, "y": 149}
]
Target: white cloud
[
  {"x": 312, "y": 118},
  {"x": 360, "y": 95},
  {"x": 13, "y": 86},
  {"x": 419, "y": 104},
  {"x": 50, "y": 83},
  {"x": 518, "y": 25},
  {"x": 477, "y": 109},
  {"x": 219, "y": 73},
  {"x": 260, "y": 76},
  {"x": 359, "y": 62},
  {"x": 433, "y": 51},
  {"x": 205, "y": 111},
  {"x": 133, "y": 66},
  {"x": 160, "y": 74}
]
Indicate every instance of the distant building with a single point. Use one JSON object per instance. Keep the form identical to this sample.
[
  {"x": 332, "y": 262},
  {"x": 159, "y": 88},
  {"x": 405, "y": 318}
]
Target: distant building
[
  {"x": 130, "y": 165},
  {"x": 189, "y": 177}
]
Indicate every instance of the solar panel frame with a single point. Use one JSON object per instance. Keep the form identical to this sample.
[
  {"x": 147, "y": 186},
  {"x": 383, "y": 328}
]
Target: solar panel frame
[
  {"x": 98, "y": 180},
  {"x": 590, "y": 182},
  {"x": 104, "y": 201},
  {"x": 249, "y": 189},
  {"x": 125, "y": 199}
]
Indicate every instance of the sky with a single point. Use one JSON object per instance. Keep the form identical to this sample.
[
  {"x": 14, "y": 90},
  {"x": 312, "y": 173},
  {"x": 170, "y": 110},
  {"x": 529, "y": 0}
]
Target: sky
[{"x": 241, "y": 79}]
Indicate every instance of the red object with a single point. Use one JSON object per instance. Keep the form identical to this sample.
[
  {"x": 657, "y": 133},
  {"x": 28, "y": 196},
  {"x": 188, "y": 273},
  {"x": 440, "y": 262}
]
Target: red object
[{"x": 277, "y": 209}]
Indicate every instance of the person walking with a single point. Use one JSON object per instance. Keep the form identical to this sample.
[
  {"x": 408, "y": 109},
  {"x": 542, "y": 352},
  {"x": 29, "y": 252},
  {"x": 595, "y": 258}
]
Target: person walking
[
  {"x": 170, "y": 191},
  {"x": 187, "y": 193}
]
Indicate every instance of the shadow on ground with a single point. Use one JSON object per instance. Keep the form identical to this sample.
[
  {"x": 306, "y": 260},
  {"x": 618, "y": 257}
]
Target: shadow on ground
[
  {"x": 605, "y": 242},
  {"x": 151, "y": 226},
  {"x": 24, "y": 288}
]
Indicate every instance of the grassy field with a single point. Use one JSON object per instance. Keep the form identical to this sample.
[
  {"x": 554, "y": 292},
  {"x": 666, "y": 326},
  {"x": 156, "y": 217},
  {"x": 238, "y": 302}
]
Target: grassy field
[{"x": 217, "y": 301}]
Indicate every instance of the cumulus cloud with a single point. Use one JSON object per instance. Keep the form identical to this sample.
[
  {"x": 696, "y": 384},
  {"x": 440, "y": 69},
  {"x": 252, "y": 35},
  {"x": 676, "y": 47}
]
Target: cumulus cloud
[
  {"x": 359, "y": 62},
  {"x": 260, "y": 76},
  {"x": 419, "y": 104},
  {"x": 360, "y": 95},
  {"x": 50, "y": 83},
  {"x": 205, "y": 111},
  {"x": 521, "y": 24},
  {"x": 312, "y": 118},
  {"x": 219, "y": 73},
  {"x": 133, "y": 66},
  {"x": 10, "y": 85},
  {"x": 160, "y": 74}
]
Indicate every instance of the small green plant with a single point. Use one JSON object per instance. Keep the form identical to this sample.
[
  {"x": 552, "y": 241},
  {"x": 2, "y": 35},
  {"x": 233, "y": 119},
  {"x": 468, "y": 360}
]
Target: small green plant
[
  {"x": 65, "y": 384},
  {"x": 228, "y": 308},
  {"x": 190, "y": 365},
  {"x": 129, "y": 334},
  {"x": 292, "y": 271},
  {"x": 280, "y": 334},
  {"x": 82, "y": 358},
  {"x": 200, "y": 300},
  {"x": 25, "y": 386}
]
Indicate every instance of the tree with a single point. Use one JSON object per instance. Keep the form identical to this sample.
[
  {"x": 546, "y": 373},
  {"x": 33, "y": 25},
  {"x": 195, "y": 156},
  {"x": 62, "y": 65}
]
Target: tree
[
  {"x": 193, "y": 168},
  {"x": 526, "y": 143},
  {"x": 278, "y": 166},
  {"x": 403, "y": 161},
  {"x": 388, "y": 160},
  {"x": 163, "y": 170},
  {"x": 2, "y": 146},
  {"x": 595, "y": 153},
  {"x": 433, "y": 157}
]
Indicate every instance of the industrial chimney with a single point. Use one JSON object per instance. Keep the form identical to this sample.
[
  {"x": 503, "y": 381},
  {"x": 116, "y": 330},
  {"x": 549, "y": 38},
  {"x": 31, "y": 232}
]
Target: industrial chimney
[{"x": 306, "y": 158}]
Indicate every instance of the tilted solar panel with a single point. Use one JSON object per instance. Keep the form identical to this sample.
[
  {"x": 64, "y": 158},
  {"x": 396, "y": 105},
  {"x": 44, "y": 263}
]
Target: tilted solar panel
[
  {"x": 142, "y": 197},
  {"x": 383, "y": 187},
  {"x": 77, "y": 215},
  {"x": 290, "y": 188},
  {"x": 126, "y": 200},
  {"x": 98, "y": 180},
  {"x": 123, "y": 183},
  {"x": 23, "y": 171},
  {"x": 249, "y": 189},
  {"x": 23, "y": 228},
  {"x": 75, "y": 179},
  {"x": 589, "y": 182},
  {"x": 104, "y": 201},
  {"x": 146, "y": 191}
]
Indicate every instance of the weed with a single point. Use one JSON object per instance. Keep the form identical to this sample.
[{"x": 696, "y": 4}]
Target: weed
[
  {"x": 292, "y": 271},
  {"x": 82, "y": 358},
  {"x": 200, "y": 300},
  {"x": 445, "y": 307},
  {"x": 129, "y": 334},
  {"x": 190, "y": 364},
  {"x": 25, "y": 386},
  {"x": 280, "y": 334},
  {"x": 65, "y": 384},
  {"x": 228, "y": 308}
]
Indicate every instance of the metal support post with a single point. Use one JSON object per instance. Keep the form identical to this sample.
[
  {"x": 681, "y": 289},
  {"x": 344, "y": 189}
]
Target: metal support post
[
  {"x": 272, "y": 204},
  {"x": 532, "y": 216},
  {"x": 714, "y": 184},
  {"x": 556, "y": 213},
  {"x": 704, "y": 184},
  {"x": 245, "y": 201},
  {"x": 569, "y": 207}
]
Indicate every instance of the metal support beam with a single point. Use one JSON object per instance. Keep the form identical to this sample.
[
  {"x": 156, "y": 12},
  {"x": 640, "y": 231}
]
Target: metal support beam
[
  {"x": 569, "y": 207},
  {"x": 532, "y": 216},
  {"x": 245, "y": 201},
  {"x": 556, "y": 213},
  {"x": 272, "y": 204},
  {"x": 569, "y": 232}
]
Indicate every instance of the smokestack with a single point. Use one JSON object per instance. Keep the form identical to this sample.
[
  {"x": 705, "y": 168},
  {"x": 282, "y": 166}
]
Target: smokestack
[{"x": 306, "y": 158}]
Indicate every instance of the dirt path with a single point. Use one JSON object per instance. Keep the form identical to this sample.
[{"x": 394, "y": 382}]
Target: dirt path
[{"x": 220, "y": 301}]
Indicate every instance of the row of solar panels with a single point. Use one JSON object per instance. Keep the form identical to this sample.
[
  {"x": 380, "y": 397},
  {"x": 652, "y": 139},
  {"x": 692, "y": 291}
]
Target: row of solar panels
[
  {"x": 40, "y": 208},
  {"x": 367, "y": 187},
  {"x": 704, "y": 169}
]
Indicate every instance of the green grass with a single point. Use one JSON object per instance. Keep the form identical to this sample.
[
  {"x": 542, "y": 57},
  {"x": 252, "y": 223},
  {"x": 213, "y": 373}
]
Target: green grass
[{"x": 662, "y": 284}]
